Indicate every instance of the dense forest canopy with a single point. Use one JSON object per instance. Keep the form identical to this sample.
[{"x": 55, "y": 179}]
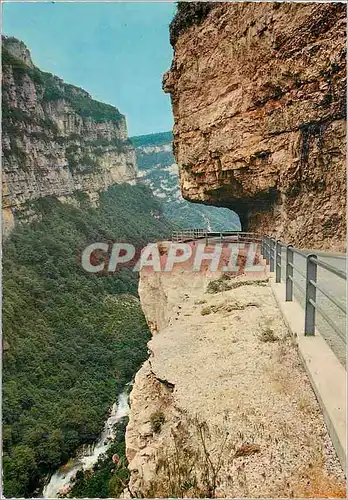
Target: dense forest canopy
[{"x": 72, "y": 340}]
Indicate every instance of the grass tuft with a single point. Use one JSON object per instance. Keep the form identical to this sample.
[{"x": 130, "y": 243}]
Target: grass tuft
[
  {"x": 157, "y": 419},
  {"x": 268, "y": 335}
]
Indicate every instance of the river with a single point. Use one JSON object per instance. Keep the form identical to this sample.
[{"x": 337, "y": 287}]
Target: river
[{"x": 87, "y": 456}]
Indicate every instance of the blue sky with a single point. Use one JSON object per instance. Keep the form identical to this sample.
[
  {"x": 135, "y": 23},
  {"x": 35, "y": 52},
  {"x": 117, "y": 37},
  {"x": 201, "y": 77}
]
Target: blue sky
[{"x": 117, "y": 52}]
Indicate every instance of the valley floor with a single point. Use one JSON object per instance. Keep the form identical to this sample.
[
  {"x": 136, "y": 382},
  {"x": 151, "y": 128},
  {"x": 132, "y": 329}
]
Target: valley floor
[{"x": 223, "y": 406}]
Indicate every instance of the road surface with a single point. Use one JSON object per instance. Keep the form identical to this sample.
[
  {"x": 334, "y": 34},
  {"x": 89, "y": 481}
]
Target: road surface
[{"x": 335, "y": 285}]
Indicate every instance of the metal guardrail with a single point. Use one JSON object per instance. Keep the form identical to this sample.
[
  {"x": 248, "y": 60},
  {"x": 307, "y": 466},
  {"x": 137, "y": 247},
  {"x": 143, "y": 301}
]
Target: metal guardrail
[
  {"x": 188, "y": 234},
  {"x": 271, "y": 250},
  {"x": 193, "y": 234}
]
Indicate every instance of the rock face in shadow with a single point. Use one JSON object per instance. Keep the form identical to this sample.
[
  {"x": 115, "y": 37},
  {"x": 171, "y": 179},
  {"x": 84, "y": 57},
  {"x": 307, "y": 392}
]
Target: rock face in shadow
[{"x": 258, "y": 96}]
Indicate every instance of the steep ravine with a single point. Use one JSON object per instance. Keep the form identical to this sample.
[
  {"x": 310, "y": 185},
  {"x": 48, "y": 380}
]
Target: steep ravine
[
  {"x": 71, "y": 339},
  {"x": 258, "y": 93},
  {"x": 57, "y": 140},
  {"x": 223, "y": 407}
]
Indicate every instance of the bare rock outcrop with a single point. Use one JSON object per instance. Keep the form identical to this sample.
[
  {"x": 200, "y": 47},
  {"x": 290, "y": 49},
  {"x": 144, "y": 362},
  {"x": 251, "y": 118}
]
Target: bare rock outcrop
[
  {"x": 56, "y": 139},
  {"x": 258, "y": 96},
  {"x": 223, "y": 406}
]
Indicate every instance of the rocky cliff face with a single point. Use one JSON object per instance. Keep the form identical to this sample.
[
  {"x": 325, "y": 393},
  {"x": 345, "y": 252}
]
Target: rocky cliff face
[
  {"x": 258, "y": 95},
  {"x": 56, "y": 139}
]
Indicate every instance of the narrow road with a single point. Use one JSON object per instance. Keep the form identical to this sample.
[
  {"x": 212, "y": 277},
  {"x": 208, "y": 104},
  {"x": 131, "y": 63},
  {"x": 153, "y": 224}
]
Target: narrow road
[
  {"x": 211, "y": 348},
  {"x": 335, "y": 285}
]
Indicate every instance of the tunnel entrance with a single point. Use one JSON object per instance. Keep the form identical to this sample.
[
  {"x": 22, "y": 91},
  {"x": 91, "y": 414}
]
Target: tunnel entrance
[{"x": 253, "y": 209}]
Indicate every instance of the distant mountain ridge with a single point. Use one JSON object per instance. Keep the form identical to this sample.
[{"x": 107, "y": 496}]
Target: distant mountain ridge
[
  {"x": 156, "y": 139},
  {"x": 158, "y": 170}
]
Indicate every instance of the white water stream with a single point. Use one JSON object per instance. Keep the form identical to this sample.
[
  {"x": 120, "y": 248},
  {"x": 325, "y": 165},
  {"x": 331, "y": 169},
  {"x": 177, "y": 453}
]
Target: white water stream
[
  {"x": 207, "y": 221},
  {"x": 87, "y": 456}
]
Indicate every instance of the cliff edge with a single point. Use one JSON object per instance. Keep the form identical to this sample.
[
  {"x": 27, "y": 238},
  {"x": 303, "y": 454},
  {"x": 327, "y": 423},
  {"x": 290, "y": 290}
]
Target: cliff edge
[
  {"x": 223, "y": 407},
  {"x": 258, "y": 93}
]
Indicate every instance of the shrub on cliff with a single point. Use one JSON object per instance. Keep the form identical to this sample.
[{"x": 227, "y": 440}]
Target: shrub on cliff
[
  {"x": 187, "y": 15},
  {"x": 157, "y": 419},
  {"x": 53, "y": 88},
  {"x": 19, "y": 68}
]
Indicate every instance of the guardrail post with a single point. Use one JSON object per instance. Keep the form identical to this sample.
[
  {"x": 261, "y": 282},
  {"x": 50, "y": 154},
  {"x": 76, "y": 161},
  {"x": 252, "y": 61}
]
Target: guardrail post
[
  {"x": 278, "y": 261},
  {"x": 311, "y": 292},
  {"x": 289, "y": 272},
  {"x": 206, "y": 239},
  {"x": 268, "y": 249},
  {"x": 271, "y": 255},
  {"x": 221, "y": 238}
]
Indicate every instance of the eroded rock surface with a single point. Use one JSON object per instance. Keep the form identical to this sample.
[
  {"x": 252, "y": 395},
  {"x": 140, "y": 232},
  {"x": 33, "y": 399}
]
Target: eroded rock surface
[{"x": 258, "y": 96}]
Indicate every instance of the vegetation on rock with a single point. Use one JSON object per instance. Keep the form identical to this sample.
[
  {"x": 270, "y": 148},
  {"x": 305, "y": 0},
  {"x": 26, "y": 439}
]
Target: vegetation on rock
[
  {"x": 54, "y": 89},
  {"x": 157, "y": 139},
  {"x": 80, "y": 100},
  {"x": 20, "y": 69},
  {"x": 157, "y": 419},
  {"x": 188, "y": 14}
]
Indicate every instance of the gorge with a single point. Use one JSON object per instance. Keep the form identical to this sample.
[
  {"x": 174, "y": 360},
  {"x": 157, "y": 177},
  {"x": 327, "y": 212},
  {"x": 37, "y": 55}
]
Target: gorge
[
  {"x": 71, "y": 340},
  {"x": 57, "y": 140},
  {"x": 219, "y": 409},
  {"x": 70, "y": 178},
  {"x": 159, "y": 171},
  {"x": 220, "y": 404}
]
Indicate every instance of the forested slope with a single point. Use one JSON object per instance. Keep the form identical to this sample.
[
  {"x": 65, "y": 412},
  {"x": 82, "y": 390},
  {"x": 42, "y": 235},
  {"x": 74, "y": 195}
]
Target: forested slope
[{"x": 71, "y": 340}]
